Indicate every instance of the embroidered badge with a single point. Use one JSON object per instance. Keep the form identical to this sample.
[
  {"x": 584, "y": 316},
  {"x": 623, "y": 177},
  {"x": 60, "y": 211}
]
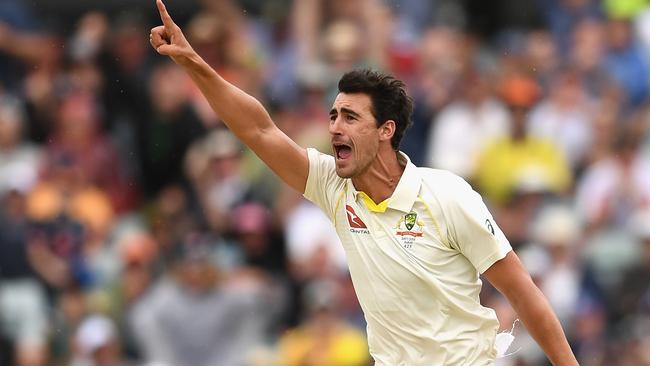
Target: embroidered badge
[{"x": 409, "y": 228}]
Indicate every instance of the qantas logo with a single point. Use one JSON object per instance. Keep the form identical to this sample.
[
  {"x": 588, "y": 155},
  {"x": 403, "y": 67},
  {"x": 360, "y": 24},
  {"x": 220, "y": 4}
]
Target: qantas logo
[
  {"x": 353, "y": 219},
  {"x": 357, "y": 226}
]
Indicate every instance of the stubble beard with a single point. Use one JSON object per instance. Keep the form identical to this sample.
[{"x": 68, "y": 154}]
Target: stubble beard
[
  {"x": 356, "y": 171},
  {"x": 343, "y": 174}
]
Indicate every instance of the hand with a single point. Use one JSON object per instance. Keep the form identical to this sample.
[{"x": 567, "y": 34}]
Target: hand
[{"x": 168, "y": 39}]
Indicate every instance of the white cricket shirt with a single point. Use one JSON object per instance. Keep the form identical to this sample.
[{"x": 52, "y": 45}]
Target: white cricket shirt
[{"x": 415, "y": 261}]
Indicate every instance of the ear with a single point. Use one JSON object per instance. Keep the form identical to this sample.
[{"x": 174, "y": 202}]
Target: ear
[{"x": 387, "y": 130}]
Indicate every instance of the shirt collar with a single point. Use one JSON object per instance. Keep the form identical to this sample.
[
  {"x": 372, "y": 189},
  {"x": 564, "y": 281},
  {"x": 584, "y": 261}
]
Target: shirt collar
[{"x": 407, "y": 189}]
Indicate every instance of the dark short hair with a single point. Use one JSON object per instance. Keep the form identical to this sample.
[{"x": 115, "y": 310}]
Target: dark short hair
[{"x": 388, "y": 97}]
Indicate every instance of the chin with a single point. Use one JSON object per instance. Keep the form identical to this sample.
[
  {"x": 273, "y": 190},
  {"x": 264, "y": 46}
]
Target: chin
[{"x": 344, "y": 173}]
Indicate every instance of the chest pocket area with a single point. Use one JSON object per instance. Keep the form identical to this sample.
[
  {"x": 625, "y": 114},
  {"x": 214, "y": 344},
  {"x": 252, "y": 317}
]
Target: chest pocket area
[{"x": 422, "y": 238}]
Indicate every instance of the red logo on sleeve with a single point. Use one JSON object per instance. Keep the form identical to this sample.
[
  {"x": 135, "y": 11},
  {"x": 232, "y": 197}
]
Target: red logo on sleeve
[{"x": 353, "y": 219}]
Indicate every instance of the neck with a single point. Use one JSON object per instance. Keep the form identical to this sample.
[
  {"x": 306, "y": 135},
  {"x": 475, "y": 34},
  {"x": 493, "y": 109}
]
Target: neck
[{"x": 381, "y": 177}]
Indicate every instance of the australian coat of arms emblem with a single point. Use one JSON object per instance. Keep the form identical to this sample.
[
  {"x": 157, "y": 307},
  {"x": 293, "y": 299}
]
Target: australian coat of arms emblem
[{"x": 407, "y": 223}]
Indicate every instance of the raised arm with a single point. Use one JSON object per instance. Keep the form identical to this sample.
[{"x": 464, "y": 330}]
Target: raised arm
[
  {"x": 510, "y": 277},
  {"x": 23, "y": 45},
  {"x": 244, "y": 115}
]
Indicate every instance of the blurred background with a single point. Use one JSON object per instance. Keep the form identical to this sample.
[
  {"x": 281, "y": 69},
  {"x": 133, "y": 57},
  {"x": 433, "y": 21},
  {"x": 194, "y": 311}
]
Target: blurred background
[{"x": 136, "y": 230}]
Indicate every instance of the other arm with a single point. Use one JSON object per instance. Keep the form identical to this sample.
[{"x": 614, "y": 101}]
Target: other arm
[
  {"x": 482, "y": 242},
  {"x": 25, "y": 46},
  {"x": 244, "y": 115},
  {"x": 510, "y": 277}
]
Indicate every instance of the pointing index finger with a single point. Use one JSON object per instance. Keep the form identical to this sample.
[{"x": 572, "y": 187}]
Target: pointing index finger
[{"x": 164, "y": 15}]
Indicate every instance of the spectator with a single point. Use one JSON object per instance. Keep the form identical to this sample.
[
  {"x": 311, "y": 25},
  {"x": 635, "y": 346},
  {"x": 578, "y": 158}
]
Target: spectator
[
  {"x": 625, "y": 60},
  {"x": 79, "y": 137},
  {"x": 164, "y": 136},
  {"x": 463, "y": 128},
  {"x": 587, "y": 54},
  {"x": 214, "y": 166},
  {"x": 323, "y": 338},
  {"x": 196, "y": 316},
  {"x": 612, "y": 188},
  {"x": 313, "y": 247},
  {"x": 562, "y": 15},
  {"x": 634, "y": 294},
  {"x": 542, "y": 55},
  {"x": 22, "y": 41},
  {"x": 519, "y": 161},
  {"x": 340, "y": 35},
  {"x": 565, "y": 117},
  {"x": 170, "y": 218},
  {"x": 126, "y": 64},
  {"x": 261, "y": 248},
  {"x": 557, "y": 229},
  {"x": 69, "y": 309},
  {"x": 439, "y": 67},
  {"x": 65, "y": 192},
  {"x": 23, "y": 303}
]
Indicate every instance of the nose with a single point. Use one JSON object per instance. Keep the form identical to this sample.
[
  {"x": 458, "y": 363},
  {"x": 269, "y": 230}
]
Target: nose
[{"x": 335, "y": 126}]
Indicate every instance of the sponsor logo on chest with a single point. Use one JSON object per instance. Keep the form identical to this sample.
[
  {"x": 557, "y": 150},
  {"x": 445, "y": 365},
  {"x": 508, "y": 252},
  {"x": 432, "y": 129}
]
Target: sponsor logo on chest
[{"x": 357, "y": 226}]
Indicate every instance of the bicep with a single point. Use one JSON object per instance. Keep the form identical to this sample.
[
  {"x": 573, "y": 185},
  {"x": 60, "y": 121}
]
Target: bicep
[
  {"x": 473, "y": 230},
  {"x": 282, "y": 155},
  {"x": 509, "y": 276}
]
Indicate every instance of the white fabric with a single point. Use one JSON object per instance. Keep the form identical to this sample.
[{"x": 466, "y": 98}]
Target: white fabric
[
  {"x": 571, "y": 129},
  {"x": 415, "y": 267},
  {"x": 503, "y": 342},
  {"x": 461, "y": 132}
]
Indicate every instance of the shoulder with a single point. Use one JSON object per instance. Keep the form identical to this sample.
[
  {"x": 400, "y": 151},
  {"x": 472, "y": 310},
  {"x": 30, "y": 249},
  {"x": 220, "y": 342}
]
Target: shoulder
[
  {"x": 322, "y": 168},
  {"x": 319, "y": 162},
  {"x": 442, "y": 182},
  {"x": 448, "y": 189},
  {"x": 313, "y": 153}
]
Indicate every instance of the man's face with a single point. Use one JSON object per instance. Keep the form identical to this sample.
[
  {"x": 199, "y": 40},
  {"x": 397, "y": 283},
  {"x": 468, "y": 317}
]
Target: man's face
[{"x": 354, "y": 134}]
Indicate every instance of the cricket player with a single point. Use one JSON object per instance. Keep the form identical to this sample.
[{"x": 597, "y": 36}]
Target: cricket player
[{"x": 416, "y": 239}]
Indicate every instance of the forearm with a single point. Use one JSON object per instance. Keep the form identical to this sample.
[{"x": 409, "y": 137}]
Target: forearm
[
  {"x": 510, "y": 277},
  {"x": 537, "y": 315},
  {"x": 243, "y": 114},
  {"x": 27, "y": 47}
]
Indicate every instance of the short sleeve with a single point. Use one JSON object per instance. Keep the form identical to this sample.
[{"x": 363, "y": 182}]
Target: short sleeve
[
  {"x": 473, "y": 229},
  {"x": 323, "y": 184}
]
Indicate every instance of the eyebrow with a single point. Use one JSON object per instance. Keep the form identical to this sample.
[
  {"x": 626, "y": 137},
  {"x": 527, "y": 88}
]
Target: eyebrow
[{"x": 346, "y": 111}]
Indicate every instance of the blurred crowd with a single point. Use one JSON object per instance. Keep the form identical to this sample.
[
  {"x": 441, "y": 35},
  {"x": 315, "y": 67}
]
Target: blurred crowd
[{"x": 136, "y": 230}]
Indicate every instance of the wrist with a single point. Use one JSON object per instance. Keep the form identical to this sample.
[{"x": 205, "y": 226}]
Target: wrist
[{"x": 190, "y": 60}]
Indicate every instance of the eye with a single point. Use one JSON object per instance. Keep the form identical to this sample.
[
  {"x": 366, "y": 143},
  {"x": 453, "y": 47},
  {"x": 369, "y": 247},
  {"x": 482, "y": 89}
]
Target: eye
[
  {"x": 350, "y": 118},
  {"x": 332, "y": 117}
]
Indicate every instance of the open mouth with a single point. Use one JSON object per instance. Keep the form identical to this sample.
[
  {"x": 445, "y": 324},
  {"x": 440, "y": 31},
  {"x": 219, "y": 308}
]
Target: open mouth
[{"x": 342, "y": 151}]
